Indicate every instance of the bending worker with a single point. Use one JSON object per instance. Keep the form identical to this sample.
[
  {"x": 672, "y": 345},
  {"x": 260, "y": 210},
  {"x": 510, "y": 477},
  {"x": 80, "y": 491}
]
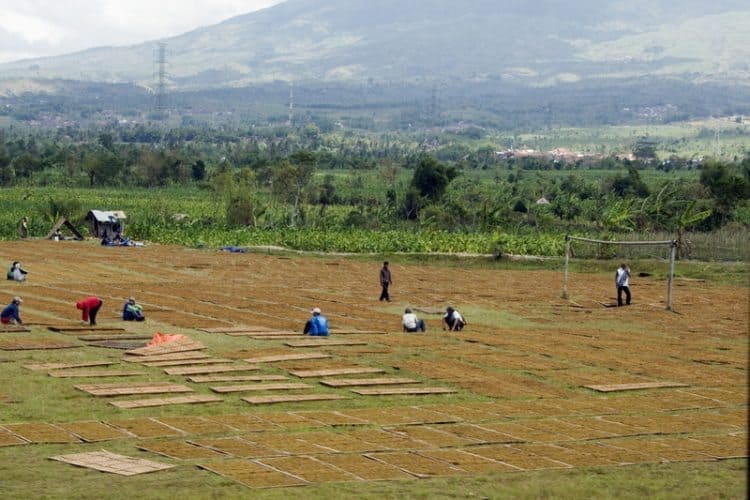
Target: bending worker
[
  {"x": 10, "y": 314},
  {"x": 89, "y": 307}
]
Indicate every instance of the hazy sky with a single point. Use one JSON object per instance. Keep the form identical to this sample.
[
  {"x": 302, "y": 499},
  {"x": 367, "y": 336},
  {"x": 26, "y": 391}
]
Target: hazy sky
[{"x": 35, "y": 28}]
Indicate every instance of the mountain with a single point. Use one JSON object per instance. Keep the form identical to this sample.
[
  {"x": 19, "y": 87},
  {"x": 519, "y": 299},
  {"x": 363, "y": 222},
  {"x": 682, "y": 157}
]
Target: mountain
[{"x": 537, "y": 43}]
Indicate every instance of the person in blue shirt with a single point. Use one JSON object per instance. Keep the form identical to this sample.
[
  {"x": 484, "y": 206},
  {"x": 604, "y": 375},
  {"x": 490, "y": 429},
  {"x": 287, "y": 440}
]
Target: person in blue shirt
[
  {"x": 10, "y": 313},
  {"x": 132, "y": 311},
  {"x": 317, "y": 325}
]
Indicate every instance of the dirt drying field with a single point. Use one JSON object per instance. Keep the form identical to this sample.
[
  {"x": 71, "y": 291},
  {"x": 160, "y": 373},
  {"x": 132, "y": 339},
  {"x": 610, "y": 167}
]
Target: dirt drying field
[{"x": 516, "y": 375}]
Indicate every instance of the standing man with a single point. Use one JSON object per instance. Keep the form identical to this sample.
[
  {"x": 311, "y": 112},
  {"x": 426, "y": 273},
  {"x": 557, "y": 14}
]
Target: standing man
[
  {"x": 23, "y": 228},
  {"x": 385, "y": 282},
  {"x": 89, "y": 307},
  {"x": 622, "y": 282}
]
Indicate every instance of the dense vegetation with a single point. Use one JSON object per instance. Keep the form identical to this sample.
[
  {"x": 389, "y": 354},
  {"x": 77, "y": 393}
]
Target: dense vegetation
[
  {"x": 303, "y": 188},
  {"x": 493, "y": 103}
]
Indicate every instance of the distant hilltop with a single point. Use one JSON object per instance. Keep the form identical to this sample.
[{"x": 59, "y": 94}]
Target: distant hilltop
[{"x": 542, "y": 43}]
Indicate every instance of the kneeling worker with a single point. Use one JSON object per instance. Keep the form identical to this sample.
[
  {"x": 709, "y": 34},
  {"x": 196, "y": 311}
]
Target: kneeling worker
[
  {"x": 16, "y": 272},
  {"x": 316, "y": 326},
  {"x": 411, "y": 323},
  {"x": 453, "y": 320},
  {"x": 132, "y": 311}
]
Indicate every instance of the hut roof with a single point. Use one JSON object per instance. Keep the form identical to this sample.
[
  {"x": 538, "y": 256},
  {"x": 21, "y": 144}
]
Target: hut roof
[{"x": 106, "y": 215}]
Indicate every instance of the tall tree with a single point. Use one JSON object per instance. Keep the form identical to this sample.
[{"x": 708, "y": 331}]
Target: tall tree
[
  {"x": 290, "y": 178},
  {"x": 726, "y": 189},
  {"x": 431, "y": 178}
]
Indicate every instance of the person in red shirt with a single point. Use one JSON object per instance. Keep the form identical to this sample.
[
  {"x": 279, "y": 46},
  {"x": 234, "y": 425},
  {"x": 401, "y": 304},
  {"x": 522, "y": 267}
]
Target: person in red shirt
[{"x": 89, "y": 307}]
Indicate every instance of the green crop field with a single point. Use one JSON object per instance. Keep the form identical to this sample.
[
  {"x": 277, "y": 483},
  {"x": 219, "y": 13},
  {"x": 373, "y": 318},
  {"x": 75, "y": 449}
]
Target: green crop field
[{"x": 151, "y": 217}]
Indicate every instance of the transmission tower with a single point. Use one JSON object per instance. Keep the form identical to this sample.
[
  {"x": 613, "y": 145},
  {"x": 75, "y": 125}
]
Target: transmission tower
[
  {"x": 433, "y": 106},
  {"x": 290, "y": 121},
  {"x": 161, "y": 78},
  {"x": 718, "y": 143}
]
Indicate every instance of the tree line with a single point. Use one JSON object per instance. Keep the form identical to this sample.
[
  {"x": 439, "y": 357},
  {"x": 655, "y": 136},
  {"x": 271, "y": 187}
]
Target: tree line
[{"x": 277, "y": 177}]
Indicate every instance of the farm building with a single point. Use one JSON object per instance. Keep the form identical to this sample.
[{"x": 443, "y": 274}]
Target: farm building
[{"x": 106, "y": 223}]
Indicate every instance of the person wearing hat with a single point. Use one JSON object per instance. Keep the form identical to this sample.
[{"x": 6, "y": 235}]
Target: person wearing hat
[
  {"x": 411, "y": 323},
  {"x": 453, "y": 320},
  {"x": 316, "y": 326},
  {"x": 132, "y": 311},
  {"x": 89, "y": 308},
  {"x": 10, "y": 313}
]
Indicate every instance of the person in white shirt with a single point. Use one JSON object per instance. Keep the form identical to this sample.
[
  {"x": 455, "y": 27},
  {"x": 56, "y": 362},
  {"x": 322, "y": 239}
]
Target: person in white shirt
[
  {"x": 622, "y": 282},
  {"x": 453, "y": 320},
  {"x": 16, "y": 272},
  {"x": 411, "y": 323}
]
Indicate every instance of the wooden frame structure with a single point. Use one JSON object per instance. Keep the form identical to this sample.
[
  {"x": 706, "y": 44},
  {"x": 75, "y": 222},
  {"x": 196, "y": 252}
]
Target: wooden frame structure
[
  {"x": 672, "y": 256},
  {"x": 63, "y": 222}
]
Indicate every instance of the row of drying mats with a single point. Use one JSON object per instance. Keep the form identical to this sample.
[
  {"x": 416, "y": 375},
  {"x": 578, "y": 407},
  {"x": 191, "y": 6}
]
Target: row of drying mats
[{"x": 186, "y": 357}]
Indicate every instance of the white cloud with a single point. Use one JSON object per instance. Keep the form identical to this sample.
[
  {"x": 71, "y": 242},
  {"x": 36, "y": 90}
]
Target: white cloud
[
  {"x": 31, "y": 29},
  {"x": 36, "y": 28}
]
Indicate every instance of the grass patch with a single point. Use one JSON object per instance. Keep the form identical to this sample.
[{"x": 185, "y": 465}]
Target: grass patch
[
  {"x": 32, "y": 475},
  {"x": 494, "y": 317}
]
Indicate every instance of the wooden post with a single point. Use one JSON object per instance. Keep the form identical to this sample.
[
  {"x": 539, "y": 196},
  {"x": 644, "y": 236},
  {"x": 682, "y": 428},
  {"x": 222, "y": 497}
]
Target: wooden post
[
  {"x": 672, "y": 256},
  {"x": 565, "y": 274}
]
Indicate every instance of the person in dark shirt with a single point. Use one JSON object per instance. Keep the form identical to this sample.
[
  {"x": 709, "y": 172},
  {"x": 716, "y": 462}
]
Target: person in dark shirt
[
  {"x": 10, "y": 314},
  {"x": 23, "y": 228},
  {"x": 453, "y": 320},
  {"x": 385, "y": 282}
]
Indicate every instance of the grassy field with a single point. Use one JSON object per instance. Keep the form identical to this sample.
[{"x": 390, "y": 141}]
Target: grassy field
[{"x": 519, "y": 424}]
